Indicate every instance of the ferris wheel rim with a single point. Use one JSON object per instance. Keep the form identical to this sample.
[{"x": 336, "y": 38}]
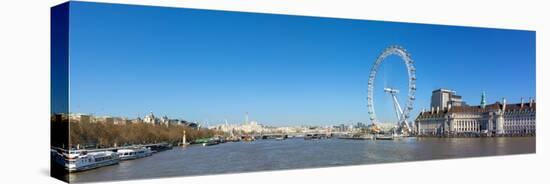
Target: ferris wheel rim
[{"x": 411, "y": 71}]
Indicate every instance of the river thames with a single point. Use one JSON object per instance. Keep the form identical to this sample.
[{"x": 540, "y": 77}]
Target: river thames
[{"x": 264, "y": 155}]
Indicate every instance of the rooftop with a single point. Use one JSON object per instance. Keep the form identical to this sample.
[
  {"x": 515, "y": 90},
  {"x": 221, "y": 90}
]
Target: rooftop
[
  {"x": 443, "y": 90},
  {"x": 478, "y": 109}
]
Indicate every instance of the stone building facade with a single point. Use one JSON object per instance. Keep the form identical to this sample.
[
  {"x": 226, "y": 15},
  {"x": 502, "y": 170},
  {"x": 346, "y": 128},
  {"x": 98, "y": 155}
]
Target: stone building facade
[{"x": 499, "y": 119}]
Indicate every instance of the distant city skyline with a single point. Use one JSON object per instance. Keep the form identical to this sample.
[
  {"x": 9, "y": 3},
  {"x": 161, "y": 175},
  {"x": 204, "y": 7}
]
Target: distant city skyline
[{"x": 201, "y": 65}]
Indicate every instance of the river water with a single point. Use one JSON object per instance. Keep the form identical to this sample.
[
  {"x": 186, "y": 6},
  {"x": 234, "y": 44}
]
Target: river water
[{"x": 297, "y": 153}]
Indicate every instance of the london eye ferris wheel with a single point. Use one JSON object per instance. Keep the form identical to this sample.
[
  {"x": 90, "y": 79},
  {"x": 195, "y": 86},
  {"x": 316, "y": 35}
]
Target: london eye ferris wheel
[{"x": 402, "y": 113}]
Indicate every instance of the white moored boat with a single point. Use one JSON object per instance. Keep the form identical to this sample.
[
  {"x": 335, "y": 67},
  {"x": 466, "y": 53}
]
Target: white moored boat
[
  {"x": 89, "y": 160},
  {"x": 134, "y": 153}
]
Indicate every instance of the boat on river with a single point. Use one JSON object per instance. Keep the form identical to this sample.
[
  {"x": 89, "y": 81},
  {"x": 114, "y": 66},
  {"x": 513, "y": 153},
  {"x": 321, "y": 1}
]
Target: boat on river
[
  {"x": 313, "y": 136},
  {"x": 81, "y": 160},
  {"x": 210, "y": 143},
  {"x": 134, "y": 153},
  {"x": 358, "y": 137},
  {"x": 207, "y": 141},
  {"x": 389, "y": 136}
]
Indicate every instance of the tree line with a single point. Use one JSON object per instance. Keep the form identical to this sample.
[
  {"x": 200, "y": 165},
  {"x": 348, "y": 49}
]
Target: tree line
[{"x": 109, "y": 134}]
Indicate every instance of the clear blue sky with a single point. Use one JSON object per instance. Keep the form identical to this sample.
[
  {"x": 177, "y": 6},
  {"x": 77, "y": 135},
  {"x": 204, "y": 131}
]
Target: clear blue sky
[{"x": 284, "y": 70}]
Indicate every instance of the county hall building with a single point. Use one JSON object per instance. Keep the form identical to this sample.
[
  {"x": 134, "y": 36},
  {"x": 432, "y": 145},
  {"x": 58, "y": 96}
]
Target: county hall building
[{"x": 449, "y": 115}]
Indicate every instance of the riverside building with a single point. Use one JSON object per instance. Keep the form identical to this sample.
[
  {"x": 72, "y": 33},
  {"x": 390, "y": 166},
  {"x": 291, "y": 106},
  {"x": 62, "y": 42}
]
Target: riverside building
[
  {"x": 498, "y": 119},
  {"x": 445, "y": 97}
]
